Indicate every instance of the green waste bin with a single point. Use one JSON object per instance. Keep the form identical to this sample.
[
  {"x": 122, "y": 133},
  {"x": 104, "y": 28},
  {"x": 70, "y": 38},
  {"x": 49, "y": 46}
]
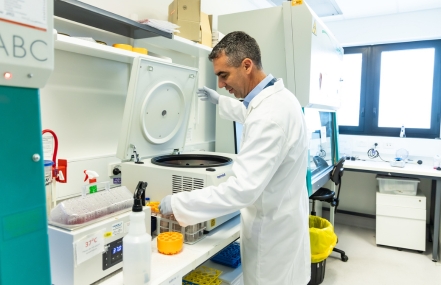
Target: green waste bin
[{"x": 323, "y": 240}]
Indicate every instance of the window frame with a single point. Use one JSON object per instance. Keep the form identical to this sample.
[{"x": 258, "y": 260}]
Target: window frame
[
  {"x": 360, "y": 129},
  {"x": 370, "y": 91}
]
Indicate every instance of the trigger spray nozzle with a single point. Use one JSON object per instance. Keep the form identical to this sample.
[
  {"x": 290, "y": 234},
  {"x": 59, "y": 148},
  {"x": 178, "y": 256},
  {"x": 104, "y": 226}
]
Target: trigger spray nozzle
[
  {"x": 91, "y": 175},
  {"x": 139, "y": 197}
]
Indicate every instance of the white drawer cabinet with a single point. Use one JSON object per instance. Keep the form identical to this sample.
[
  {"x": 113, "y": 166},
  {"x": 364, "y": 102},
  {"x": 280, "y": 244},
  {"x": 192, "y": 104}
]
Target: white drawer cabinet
[{"x": 401, "y": 221}]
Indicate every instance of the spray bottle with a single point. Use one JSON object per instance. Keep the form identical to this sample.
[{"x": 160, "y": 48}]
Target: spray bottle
[
  {"x": 91, "y": 175},
  {"x": 402, "y": 132},
  {"x": 137, "y": 249}
]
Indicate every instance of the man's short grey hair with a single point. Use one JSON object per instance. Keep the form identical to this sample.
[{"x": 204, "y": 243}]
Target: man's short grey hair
[{"x": 237, "y": 46}]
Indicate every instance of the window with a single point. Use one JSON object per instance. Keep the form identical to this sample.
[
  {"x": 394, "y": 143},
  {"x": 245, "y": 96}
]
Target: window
[{"x": 388, "y": 86}]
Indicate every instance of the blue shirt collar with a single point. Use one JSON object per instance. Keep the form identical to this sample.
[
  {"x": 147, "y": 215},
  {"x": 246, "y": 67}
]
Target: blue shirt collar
[{"x": 262, "y": 85}]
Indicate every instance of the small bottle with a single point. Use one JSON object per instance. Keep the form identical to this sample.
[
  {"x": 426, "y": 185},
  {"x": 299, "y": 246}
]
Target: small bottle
[
  {"x": 91, "y": 175},
  {"x": 137, "y": 249},
  {"x": 436, "y": 161},
  {"x": 402, "y": 132}
]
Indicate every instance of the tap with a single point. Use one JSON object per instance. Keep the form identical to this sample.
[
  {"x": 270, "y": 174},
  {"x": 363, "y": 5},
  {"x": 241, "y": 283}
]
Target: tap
[{"x": 135, "y": 155}]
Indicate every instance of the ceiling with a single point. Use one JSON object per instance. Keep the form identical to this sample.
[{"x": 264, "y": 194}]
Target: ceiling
[{"x": 360, "y": 8}]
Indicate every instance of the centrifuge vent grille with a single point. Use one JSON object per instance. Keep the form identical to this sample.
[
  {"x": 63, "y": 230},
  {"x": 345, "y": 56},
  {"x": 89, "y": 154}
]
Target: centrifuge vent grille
[
  {"x": 198, "y": 183},
  {"x": 176, "y": 183},
  {"x": 180, "y": 183}
]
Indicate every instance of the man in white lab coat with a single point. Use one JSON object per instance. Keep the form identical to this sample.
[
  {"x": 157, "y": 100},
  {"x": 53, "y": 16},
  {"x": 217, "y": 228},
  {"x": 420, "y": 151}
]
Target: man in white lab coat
[{"x": 269, "y": 183}]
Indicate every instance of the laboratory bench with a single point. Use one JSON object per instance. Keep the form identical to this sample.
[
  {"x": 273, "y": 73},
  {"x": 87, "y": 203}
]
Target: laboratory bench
[
  {"x": 169, "y": 269},
  {"x": 414, "y": 170}
]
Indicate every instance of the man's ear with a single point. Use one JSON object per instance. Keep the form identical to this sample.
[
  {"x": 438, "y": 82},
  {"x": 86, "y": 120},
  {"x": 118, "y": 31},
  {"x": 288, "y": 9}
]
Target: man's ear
[{"x": 247, "y": 64}]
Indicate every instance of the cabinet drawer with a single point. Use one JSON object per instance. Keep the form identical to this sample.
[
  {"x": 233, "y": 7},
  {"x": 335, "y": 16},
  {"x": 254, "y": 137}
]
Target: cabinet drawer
[
  {"x": 399, "y": 232},
  {"x": 401, "y": 212},
  {"x": 416, "y": 202}
]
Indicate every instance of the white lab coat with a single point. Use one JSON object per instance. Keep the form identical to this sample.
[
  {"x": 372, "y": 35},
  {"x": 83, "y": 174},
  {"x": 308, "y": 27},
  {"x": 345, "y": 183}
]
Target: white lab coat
[{"x": 269, "y": 188}]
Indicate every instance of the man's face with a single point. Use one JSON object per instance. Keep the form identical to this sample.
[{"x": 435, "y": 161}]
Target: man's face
[{"x": 234, "y": 79}]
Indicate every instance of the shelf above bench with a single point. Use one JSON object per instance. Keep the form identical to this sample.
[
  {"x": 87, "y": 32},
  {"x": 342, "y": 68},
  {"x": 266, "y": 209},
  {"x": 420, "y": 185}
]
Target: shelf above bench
[{"x": 92, "y": 16}]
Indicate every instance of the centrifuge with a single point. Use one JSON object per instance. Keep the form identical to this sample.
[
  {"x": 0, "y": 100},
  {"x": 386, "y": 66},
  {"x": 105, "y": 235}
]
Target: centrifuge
[{"x": 154, "y": 131}]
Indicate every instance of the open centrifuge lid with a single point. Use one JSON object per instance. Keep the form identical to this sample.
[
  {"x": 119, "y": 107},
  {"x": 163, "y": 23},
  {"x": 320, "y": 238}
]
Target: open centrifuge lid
[{"x": 157, "y": 108}]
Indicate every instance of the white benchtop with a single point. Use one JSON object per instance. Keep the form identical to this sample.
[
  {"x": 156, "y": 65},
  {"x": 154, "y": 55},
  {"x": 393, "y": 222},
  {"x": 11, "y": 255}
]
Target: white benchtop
[
  {"x": 166, "y": 267},
  {"x": 425, "y": 169}
]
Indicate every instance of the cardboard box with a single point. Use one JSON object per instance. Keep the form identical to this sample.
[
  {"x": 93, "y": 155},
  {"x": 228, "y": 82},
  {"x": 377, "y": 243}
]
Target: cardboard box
[
  {"x": 194, "y": 25},
  {"x": 189, "y": 30},
  {"x": 206, "y": 38},
  {"x": 185, "y": 10},
  {"x": 186, "y": 14}
]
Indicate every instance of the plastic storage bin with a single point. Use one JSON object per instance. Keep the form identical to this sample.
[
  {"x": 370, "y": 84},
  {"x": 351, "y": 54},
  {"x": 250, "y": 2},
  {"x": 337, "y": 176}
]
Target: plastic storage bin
[
  {"x": 398, "y": 185},
  {"x": 86, "y": 209}
]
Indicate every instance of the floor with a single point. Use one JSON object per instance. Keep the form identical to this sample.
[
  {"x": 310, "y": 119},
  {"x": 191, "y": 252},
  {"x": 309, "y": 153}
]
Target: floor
[{"x": 370, "y": 264}]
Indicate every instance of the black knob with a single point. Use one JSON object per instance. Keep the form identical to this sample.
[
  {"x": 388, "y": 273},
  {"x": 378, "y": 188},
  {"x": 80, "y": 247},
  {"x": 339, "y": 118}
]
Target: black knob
[
  {"x": 116, "y": 171},
  {"x": 420, "y": 162}
]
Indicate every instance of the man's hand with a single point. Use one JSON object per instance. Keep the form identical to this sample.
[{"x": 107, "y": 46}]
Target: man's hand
[
  {"x": 165, "y": 207},
  {"x": 207, "y": 94}
]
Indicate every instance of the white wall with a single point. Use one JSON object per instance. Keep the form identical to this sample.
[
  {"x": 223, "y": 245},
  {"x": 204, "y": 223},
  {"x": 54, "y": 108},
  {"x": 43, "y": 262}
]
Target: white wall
[
  {"x": 403, "y": 27},
  {"x": 158, "y": 9},
  {"x": 134, "y": 9}
]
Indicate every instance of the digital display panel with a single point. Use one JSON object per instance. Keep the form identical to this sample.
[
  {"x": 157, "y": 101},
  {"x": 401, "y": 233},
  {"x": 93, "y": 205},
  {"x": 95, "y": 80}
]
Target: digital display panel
[{"x": 116, "y": 249}]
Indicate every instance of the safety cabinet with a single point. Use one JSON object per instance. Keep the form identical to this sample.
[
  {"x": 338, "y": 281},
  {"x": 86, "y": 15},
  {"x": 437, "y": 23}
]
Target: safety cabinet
[{"x": 401, "y": 221}]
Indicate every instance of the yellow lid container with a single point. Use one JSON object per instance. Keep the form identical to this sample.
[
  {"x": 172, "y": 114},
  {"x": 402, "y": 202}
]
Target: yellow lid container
[
  {"x": 154, "y": 206},
  {"x": 140, "y": 50},
  {"x": 123, "y": 46},
  {"x": 170, "y": 243}
]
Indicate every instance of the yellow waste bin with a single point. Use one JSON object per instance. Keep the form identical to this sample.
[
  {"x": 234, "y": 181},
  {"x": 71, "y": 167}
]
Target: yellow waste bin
[{"x": 323, "y": 240}]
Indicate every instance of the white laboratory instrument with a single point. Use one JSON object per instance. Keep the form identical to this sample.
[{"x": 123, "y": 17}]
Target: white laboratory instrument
[
  {"x": 165, "y": 180},
  {"x": 400, "y": 160},
  {"x": 85, "y": 254},
  {"x": 155, "y": 124}
]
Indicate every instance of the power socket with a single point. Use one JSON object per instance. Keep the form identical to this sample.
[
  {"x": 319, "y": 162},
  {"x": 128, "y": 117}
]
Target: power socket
[
  {"x": 388, "y": 145},
  {"x": 361, "y": 143},
  {"x": 112, "y": 166}
]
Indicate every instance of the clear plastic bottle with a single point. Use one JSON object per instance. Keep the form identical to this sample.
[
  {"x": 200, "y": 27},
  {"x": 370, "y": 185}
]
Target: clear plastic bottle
[
  {"x": 436, "y": 161},
  {"x": 137, "y": 249}
]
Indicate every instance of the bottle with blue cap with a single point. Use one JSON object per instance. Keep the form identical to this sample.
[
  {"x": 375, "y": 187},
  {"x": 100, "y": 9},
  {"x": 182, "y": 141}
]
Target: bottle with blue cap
[{"x": 47, "y": 180}]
